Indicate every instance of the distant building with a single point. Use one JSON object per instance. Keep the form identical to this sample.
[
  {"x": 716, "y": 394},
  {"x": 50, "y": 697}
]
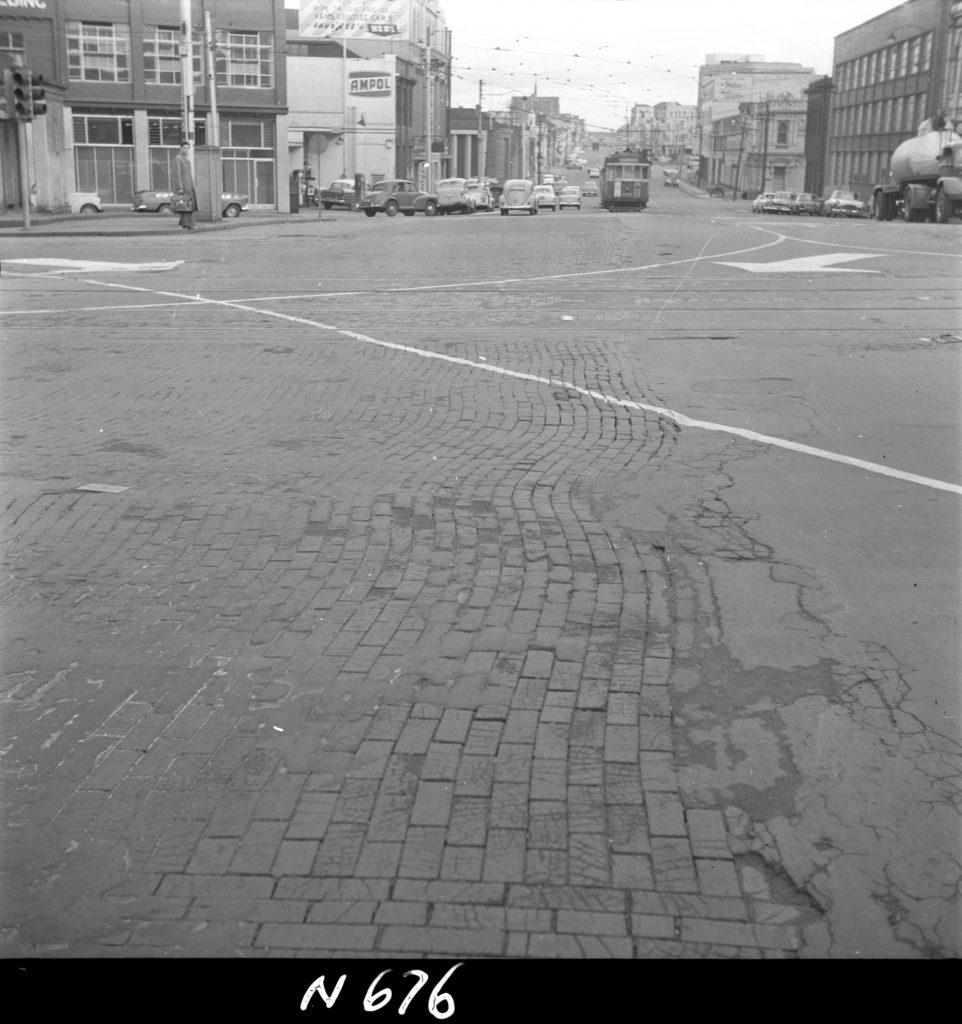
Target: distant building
[
  {"x": 889, "y": 74},
  {"x": 762, "y": 103}
]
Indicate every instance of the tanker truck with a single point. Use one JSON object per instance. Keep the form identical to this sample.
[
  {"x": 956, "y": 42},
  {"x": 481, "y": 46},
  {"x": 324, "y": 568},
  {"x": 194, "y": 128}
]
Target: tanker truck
[{"x": 925, "y": 182}]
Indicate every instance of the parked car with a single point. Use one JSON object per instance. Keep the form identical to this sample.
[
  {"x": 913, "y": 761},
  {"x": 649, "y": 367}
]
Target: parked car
[
  {"x": 395, "y": 195},
  {"x": 483, "y": 200},
  {"x": 589, "y": 188},
  {"x": 570, "y": 196},
  {"x": 781, "y": 202},
  {"x": 454, "y": 196},
  {"x": 762, "y": 201},
  {"x": 842, "y": 203},
  {"x": 806, "y": 203},
  {"x": 339, "y": 193},
  {"x": 594, "y": 172},
  {"x": 545, "y": 197},
  {"x": 155, "y": 201},
  {"x": 518, "y": 194},
  {"x": 85, "y": 203}
]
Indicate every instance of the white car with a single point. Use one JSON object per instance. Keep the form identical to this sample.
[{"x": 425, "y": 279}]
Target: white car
[
  {"x": 85, "y": 203},
  {"x": 545, "y": 197},
  {"x": 570, "y": 196}
]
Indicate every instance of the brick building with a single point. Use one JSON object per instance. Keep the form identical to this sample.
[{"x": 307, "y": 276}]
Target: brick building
[{"x": 115, "y": 99}]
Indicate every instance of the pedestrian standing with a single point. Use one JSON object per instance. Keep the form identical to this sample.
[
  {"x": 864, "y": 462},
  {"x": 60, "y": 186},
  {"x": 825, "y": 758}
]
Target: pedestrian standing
[{"x": 184, "y": 185}]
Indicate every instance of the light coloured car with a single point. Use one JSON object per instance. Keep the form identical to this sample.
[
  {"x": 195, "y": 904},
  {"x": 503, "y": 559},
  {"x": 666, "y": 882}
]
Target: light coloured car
[
  {"x": 454, "y": 196},
  {"x": 545, "y": 197},
  {"x": 782, "y": 202},
  {"x": 842, "y": 203},
  {"x": 483, "y": 199},
  {"x": 517, "y": 194},
  {"x": 158, "y": 201},
  {"x": 570, "y": 197},
  {"x": 761, "y": 202},
  {"x": 589, "y": 188},
  {"x": 85, "y": 203}
]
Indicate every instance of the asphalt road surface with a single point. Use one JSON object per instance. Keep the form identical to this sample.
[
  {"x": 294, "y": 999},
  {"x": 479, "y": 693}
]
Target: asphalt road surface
[{"x": 584, "y": 584}]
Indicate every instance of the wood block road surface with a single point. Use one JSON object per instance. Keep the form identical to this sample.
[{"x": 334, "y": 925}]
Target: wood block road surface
[{"x": 383, "y": 651}]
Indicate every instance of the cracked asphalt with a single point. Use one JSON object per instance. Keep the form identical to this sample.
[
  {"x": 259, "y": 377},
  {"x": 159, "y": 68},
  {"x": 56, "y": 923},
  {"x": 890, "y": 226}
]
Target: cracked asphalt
[{"x": 466, "y": 596}]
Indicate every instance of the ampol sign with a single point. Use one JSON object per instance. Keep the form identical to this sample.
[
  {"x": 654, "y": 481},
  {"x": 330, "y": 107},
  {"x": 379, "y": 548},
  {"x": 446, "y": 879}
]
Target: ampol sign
[{"x": 366, "y": 84}]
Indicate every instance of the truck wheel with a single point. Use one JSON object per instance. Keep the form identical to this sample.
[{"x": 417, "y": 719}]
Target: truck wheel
[
  {"x": 370, "y": 213},
  {"x": 943, "y": 207},
  {"x": 327, "y": 206},
  {"x": 878, "y": 206}
]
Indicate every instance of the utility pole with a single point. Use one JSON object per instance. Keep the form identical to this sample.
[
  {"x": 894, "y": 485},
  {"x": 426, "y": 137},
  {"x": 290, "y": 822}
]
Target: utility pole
[
  {"x": 187, "y": 78},
  {"x": 428, "y": 115},
  {"x": 210, "y": 47},
  {"x": 482, "y": 138},
  {"x": 765, "y": 149},
  {"x": 741, "y": 149}
]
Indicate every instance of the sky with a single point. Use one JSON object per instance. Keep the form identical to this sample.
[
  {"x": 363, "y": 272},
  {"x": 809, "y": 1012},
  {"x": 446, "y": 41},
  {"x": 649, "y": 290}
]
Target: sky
[{"x": 602, "y": 56}]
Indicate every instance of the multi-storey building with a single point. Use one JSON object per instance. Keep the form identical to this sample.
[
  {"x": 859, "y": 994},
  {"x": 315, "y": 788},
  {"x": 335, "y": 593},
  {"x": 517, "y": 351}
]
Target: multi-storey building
[
  {"x": 116, "y": 101},
  {"x": 370, "y": 88},
  {"x": 890, "y": 74},
  {"x": 760, "y": 148},
  {"x": 674, "y": 129},
  {"x": 726, "y": 82}
]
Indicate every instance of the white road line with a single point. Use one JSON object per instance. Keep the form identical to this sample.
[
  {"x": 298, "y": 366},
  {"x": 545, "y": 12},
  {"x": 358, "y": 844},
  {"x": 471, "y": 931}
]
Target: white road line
[
  {"x": 680, "y": 418},
  {"x": 848, "y": 245}
]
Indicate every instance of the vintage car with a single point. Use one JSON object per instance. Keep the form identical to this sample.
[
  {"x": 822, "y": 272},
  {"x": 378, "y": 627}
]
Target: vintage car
[
  {"x": 589, "y": 188},
  {"x": 781, "y": 202},
  {"x": 518, "y": 194},
  {"x": 85, "y": 203},
  {"x": 483, "y": 200},
  {"x": 546, "y": 197},
  {"x": 761, "y": 202},
  {"x": 806, "y": 203},
  {"x": 570, "y": 197},
  {"x": 339, "y": 193},
  {"x": 454, "y": 196},
  {"x": 154, "y": 201},
  {"x": 396, "y": 195},
  {"x": 842, "y": 203}
]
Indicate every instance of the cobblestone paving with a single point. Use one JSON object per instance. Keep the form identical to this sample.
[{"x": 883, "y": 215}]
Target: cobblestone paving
[{"x": 352, "y": 668}]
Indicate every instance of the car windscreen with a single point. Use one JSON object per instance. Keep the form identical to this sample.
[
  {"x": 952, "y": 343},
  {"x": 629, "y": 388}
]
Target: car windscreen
[{"x": 517, "y": 191}]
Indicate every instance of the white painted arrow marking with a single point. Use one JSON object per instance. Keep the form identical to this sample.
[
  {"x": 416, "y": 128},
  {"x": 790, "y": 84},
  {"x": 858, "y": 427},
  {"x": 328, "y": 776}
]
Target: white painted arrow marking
[
  {"x": 810, "y": 264},
  {"x": 92, "y": 266}
]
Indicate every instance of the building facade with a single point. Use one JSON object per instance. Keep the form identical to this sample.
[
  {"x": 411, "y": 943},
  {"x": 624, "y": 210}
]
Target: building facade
[
  {"x": 116, "y": 109},
  {"x": 329, "y": 41},
  {"x": 729, "y": 82},
  {"x": 889, "y": 75}
]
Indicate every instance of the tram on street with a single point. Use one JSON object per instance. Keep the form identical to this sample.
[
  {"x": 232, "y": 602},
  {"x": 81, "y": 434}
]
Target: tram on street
[{"x": 625, "y": 177}]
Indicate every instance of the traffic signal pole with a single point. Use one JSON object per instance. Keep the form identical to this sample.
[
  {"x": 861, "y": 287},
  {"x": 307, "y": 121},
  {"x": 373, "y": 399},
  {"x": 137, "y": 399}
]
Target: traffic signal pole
[{"x": 24, "y": 173}]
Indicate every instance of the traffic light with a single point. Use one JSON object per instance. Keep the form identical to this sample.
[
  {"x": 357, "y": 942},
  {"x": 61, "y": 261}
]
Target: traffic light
[
  {"x": 6, "y": 97},
  {"x": 22, "y": 96},
  {"x": 38, "y": 95}
]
